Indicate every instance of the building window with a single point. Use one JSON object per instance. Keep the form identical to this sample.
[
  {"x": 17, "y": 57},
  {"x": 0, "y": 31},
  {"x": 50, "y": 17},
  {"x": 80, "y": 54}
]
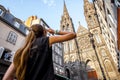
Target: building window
[
  {"x": 117, "y": 3},
  {"x": 108, "y": 66},
  {"x": 112, "y": 1},
  {"x": 27, "y": 31},
  {"x": 66, "y": 47},
  {"x": 63, "y": 28},
  {"x": 110, "y": 16},
  {"x": 1, "y": 12},
  {"x": 97, "y": 37},
  {"x": 56, "y": 59},
  {"x": 103, "y": 53},
  {"x": 1, "y": 51},
  {"x": 16, "y": 24},
  {"x": 68, "y": 28},
  {"x": 60, "y": 61},
  {"x": 12, "y": 37}
]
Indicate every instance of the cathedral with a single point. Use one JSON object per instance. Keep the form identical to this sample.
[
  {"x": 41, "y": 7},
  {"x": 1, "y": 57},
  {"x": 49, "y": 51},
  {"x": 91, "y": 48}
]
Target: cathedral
[{"x": 87, "y": 57}]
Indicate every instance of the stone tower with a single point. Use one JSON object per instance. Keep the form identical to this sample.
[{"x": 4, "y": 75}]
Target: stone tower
[
  {"x": 107, "y": 67},
  {"x": 87, "y": 54},
  {"x": 70, "y": 47}
]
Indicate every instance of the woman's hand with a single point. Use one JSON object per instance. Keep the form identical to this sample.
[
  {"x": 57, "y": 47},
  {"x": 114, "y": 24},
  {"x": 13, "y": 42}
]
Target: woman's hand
[{"x": 50, "y": 30}]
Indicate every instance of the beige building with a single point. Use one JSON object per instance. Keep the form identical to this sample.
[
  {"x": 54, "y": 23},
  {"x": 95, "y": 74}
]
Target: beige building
[
  {"x": 70, "y": 49},
  {"x": 103, "y": 51},
  {"x": 12, "y": 34},
  {"x": 107, "y": 16},
  {"x": 97, "y": 58}
]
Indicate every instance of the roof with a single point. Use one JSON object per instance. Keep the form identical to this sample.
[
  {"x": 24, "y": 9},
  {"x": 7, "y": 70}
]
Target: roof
[{"x": 82, "y": 30}]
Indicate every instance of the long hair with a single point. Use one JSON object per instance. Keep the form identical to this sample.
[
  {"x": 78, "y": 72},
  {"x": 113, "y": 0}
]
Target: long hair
[{"x": 21, "y": 55}]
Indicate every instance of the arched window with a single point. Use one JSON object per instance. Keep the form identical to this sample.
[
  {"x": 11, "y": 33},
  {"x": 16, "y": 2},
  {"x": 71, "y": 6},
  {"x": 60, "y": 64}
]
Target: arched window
[
  {"x": 108, "y": 66},
  {"x": 67, "y": 72},
  {"x": 103, "y": 52},
  {"x": 97, "y": 37},
  {"x": 71, "y": 45},
  {"x": 66, "y": 47},
  {"x": 68, "y": 28},
  {"x": 63, "y": 28}
]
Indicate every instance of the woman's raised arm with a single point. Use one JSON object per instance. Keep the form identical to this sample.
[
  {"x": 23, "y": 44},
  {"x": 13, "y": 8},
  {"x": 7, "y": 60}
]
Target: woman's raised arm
[
  {"x": 10, "y": 74},
  {"x": 61, "y": 37}
]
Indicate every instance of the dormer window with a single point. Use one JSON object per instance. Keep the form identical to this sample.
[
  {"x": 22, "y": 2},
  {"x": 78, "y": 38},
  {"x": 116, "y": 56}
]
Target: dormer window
[
  {"x": 16, "y": 24},
  {"x": 1, "y": 12}
]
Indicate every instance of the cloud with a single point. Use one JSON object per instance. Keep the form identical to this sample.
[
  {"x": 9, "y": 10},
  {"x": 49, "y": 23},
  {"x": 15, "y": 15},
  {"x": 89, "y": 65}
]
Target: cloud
[{"x": 49, "y": 2}]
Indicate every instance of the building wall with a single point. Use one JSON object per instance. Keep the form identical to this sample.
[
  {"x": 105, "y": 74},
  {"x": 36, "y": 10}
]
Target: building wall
[
  {"x": 110, "y": 40},
  {"x": 70, "y": 50},
  {"x": 58, "y": 58},
  {"x": 102, "y": 49},
  {"x": 12, "y": 34},
  {"x": 4, "y": 32},
  {"x": 111, "y": 15},
  {"x": 106, "y": 51},
  {"x": 117, "y": 5}
]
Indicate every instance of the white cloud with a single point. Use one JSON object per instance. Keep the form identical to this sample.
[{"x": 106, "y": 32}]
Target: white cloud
[{"x": 49, "y": 2}]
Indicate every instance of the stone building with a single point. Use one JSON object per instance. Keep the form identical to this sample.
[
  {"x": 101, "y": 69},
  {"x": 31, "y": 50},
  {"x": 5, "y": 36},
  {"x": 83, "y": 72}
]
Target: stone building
[
  {"x": 107, "y": 57},
  {"x": 12, "y": 35},
  {"x": 107, "y": 16},
  {"x": 117, "y": 3},
  {"x": 70, "y": 49},
  {"x": 110, "y": 24},
  {"x": 89, "y": 58},
  {"x": 12, "y": 31},
  {"x": 57, "y": 48}
]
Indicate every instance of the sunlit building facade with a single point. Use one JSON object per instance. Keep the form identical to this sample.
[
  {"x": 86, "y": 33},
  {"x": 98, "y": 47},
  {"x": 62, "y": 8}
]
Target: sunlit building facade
[
  {"x": 90, "y": 60},
  {"x": 101, "y": 20},
  {"x": 106, "y": 11},
  {"x": 12, "y": 36}
]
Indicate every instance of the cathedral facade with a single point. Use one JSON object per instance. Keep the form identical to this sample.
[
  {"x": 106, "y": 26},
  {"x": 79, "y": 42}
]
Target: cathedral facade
[{"x": 87, "y": 57}]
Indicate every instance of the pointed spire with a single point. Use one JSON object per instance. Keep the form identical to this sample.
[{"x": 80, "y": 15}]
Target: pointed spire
[
  {"x": 86, "y": 2},
  {"x": 65, "y": 11}
]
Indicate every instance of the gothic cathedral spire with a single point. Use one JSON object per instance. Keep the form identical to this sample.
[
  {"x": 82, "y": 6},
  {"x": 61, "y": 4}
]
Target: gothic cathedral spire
[
  {"x": 70, "y": 48},
  {"x": 65, "y": 11},
  {"x": 90, "y": 15},
  {"x": 66, "y": 21}
]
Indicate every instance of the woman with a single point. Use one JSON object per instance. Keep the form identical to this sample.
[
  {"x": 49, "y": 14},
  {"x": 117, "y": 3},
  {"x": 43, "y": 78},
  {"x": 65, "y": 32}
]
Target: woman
[{"x": 33, "y": 61}]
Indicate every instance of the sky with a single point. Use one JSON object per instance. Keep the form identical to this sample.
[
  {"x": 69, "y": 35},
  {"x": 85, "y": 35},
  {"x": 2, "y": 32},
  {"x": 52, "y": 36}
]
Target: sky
[{"x": 50, "y": 10}]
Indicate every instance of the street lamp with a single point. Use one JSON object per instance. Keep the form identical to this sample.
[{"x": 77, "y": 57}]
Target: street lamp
[{"x": 94, "y": 47}]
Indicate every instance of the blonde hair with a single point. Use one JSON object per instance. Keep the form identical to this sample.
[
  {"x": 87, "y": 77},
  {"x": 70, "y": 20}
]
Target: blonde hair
[{"x": 21, "y": 55}]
